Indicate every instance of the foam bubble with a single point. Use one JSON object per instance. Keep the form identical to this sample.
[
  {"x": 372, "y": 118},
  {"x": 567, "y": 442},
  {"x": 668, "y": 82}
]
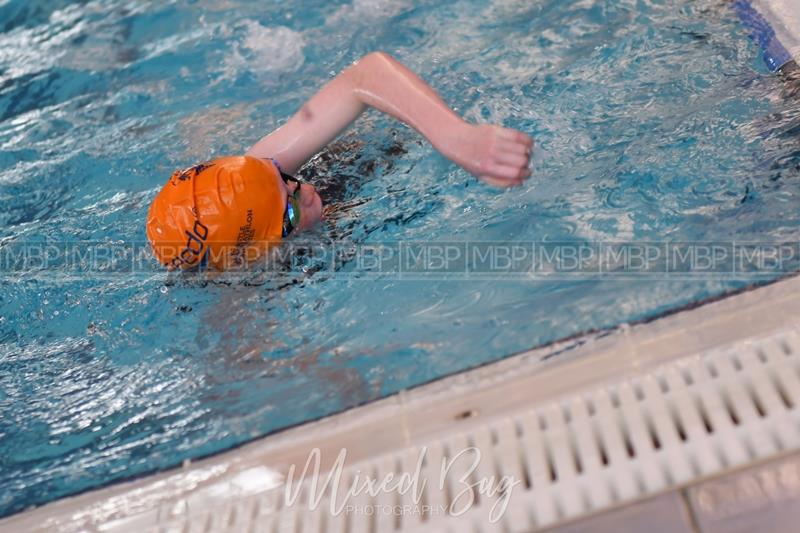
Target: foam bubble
[
  {"x": 266, "y": 49},
  {"x": 361, "y": 11}
]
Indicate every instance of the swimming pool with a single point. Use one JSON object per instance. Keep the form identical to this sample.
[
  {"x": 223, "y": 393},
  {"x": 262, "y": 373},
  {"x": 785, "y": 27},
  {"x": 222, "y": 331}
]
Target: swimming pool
[{"x": 656, "y": 122}]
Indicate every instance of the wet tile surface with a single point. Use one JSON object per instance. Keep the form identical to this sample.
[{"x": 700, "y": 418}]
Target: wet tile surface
[
  {"x": 663, "y": 514},
  {"x": 764, "y": 498}
]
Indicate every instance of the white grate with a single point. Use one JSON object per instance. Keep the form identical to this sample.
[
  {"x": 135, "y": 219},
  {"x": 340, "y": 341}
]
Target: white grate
[{"x": 619, "y": 442}]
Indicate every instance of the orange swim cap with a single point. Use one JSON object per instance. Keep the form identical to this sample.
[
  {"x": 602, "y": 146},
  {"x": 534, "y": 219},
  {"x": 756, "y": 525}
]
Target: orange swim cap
[{"x": 220, "y": 213}]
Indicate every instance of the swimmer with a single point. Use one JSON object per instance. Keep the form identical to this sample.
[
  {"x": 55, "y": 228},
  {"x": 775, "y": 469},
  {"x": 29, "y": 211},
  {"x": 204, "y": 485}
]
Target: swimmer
[{"x": 226, "y": 212}]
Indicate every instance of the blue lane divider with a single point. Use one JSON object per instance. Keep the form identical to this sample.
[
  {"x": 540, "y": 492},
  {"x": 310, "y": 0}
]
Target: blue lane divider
[{"x": 775, "y": 55}]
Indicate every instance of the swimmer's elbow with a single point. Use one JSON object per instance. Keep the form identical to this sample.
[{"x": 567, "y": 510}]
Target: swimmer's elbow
[
  {"x": 380, "y": 55},
  {"x": 375, "y": 58},
  {"x": 367, "y": 69}
]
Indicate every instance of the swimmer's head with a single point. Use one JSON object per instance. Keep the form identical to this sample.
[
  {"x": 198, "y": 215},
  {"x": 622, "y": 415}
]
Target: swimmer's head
[{"x": 226, "y": 212}]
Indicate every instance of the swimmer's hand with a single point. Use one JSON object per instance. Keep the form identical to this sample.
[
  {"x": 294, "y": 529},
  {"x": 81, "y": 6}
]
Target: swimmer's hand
[{"x": 498, "y": 156}]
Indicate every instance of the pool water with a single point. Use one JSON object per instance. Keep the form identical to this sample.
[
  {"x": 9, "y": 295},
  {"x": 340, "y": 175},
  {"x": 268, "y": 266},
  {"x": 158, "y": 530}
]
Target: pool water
[{"x": 655, "y": 121}]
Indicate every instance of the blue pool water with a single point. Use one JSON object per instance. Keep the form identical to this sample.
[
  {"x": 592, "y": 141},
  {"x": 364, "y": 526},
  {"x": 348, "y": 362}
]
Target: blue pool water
[{"x": 655, "y": 121}]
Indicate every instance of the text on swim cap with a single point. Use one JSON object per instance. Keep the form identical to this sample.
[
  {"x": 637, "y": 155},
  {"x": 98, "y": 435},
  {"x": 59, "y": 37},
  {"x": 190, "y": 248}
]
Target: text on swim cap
[{"x": 195, "y": 246}]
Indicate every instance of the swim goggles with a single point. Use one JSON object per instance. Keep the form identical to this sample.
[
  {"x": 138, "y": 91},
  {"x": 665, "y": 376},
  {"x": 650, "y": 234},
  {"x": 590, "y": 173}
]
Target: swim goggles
[{"x": 291, "y": 217}]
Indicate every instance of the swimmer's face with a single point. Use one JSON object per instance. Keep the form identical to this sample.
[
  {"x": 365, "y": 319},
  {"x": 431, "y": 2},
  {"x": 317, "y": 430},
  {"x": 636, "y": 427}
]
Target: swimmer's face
[{"x": 310, "y": 203}]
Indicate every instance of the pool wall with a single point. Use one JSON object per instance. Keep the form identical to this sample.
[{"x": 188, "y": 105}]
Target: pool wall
[{"x": 775, "y": 25}]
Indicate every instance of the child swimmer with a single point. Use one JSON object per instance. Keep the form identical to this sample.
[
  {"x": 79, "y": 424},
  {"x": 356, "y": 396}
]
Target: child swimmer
[{"x": 226, "y": 212}]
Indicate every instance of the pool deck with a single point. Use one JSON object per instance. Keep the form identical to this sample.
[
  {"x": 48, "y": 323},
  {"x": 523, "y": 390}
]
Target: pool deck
[{"x": 688, "y": 423}]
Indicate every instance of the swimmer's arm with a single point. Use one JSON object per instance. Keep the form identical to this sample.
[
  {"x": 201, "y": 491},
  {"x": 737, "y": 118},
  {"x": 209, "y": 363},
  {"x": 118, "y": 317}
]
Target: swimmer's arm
[{"x": 497, "y": 155}]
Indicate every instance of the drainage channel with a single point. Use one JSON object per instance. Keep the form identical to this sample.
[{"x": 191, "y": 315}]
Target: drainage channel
[{"x": 624, "y": 441}]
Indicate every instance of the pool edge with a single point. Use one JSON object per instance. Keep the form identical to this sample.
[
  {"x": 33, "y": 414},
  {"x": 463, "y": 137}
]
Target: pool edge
[
  {"x": 452, "y": 404},
  {"x": 775, "y": 27}
]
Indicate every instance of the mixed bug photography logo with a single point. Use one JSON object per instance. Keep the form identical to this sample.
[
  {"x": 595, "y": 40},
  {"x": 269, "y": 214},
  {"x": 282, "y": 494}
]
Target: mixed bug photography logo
[{"x": 458, "y": 478}]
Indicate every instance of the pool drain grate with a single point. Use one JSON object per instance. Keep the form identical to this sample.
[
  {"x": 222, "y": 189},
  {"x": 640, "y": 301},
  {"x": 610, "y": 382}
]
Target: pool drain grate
[{"x": 616, "y": 443}]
